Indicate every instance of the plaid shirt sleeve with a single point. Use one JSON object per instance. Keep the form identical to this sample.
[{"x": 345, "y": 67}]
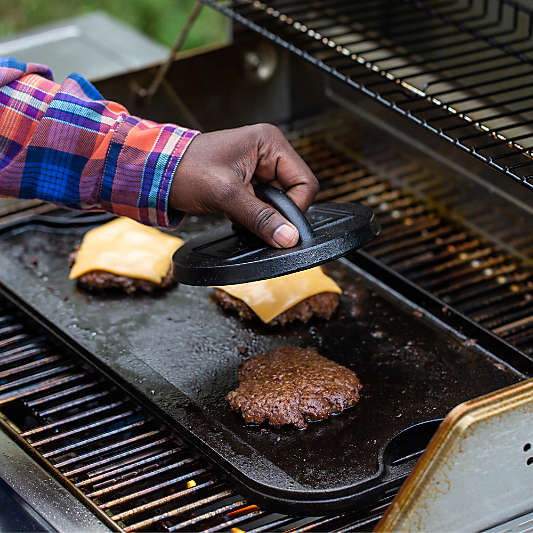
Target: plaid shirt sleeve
[{"x": 64, "y": 143}]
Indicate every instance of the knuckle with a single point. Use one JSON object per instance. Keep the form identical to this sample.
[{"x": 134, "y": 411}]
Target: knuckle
[
  {"x": 263, "y": 218},
  {"x": 269, "y": 130}
]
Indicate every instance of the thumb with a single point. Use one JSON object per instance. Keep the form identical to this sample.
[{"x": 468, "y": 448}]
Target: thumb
[{"x": 261, "y": 219}]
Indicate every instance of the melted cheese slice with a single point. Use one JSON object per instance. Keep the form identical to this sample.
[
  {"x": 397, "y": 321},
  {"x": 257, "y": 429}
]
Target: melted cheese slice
[
  {"x": 270, "y": 297},
  {"x": 126, "y": 248}
]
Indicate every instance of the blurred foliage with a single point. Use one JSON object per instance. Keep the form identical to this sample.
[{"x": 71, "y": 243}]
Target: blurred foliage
[{"x": 159, "y": 19}]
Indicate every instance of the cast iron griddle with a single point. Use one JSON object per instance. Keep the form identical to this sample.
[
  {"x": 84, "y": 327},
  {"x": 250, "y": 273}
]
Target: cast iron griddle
[{"x": 182, "y": 353}]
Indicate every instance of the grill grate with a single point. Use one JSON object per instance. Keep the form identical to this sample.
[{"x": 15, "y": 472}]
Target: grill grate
[
  {"x": 460, "y": 68},
  {"x": 123, "y": 461},
  {"x": 421, "y": 242}
]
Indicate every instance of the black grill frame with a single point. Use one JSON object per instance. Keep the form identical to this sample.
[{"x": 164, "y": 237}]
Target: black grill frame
[{"x": 356, "y": 521}]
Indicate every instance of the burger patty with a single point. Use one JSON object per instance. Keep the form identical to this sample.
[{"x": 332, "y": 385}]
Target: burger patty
[
  {"x": 100, "y": 280},
  {"x": 291, "y": 385},
  {"x": 321, "y": 305}
]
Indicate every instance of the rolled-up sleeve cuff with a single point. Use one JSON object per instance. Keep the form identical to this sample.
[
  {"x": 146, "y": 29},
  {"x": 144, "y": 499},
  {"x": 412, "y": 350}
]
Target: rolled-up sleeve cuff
[
  {"x": 172, "y": 217},
  {"x": 141, "y": 162}
]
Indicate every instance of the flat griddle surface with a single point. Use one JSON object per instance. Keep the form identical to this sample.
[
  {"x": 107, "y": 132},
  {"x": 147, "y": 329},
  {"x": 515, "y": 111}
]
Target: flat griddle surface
[{"x": 182, "y": 352}]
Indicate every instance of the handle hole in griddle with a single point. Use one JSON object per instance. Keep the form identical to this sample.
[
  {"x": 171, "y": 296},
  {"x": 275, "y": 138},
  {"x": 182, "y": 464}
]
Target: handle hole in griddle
[
  {"x": 527, "y": 446},
  {"x": 410, "y": 443},
  {"x": 529, "y": 461}
]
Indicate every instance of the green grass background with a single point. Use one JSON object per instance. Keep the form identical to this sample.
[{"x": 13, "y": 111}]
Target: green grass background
[{"x": 160, "y": 19}]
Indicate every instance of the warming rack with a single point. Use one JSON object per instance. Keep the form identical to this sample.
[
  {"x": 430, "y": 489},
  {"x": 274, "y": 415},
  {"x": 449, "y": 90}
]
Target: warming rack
[{"x": 460, "y": 68}]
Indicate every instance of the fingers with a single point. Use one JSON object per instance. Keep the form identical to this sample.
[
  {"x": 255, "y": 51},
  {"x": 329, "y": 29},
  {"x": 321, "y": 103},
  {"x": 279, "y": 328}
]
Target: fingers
[
  {"x": 260, "y": 218},
  {"x": 277, "y": 160},
  {"x": 215, "y": 175}
]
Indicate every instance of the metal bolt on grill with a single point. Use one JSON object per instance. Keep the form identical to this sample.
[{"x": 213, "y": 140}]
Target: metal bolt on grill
[
  {"x": 116, "y": 456},
  {"x": 460, "y": 68}
]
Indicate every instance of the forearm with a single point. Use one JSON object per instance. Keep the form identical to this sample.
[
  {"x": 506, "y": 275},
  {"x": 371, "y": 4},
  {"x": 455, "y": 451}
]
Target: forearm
[{"x": 65, "y": 144}]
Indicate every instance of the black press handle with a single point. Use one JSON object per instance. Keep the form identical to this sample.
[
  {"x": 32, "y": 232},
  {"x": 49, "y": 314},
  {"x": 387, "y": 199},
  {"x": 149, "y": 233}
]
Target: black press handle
[{"x": 278, "y": 199}]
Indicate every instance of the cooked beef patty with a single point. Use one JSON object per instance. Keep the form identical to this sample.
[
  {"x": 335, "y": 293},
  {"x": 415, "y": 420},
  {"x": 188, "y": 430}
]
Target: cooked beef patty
[
  {"x": 99, "y": 280},
  {"x": 321, "y": 305},
  {"x": 290, "y": 385}
]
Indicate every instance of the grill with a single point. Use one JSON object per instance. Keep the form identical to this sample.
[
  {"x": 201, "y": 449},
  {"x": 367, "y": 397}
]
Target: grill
[
  {"x": 456, "y": 241},
  {"x": 460, "y": 68},
  {"x": 135, "y": 471}
]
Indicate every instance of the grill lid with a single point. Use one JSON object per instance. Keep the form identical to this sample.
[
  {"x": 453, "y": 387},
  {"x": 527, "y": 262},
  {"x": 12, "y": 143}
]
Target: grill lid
[{"x": 232, "y": 255}]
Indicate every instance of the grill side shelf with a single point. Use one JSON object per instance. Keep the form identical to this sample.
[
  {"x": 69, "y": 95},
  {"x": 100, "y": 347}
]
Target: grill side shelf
[{"x": 459, "y": 71}]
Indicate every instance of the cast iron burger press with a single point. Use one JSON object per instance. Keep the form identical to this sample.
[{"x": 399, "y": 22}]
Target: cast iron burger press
[{"x": 232, "y": 255}]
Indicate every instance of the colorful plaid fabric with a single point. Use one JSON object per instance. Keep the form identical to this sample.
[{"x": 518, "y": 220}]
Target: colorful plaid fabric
[{"x": 64, "y": 143}]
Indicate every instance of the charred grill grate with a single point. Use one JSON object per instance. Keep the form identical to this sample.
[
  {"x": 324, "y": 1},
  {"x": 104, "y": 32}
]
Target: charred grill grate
[
  {"x": 460, "y": 68},
  {"x": 422, "y": 241},
  {"x": 131, "y": 468}
]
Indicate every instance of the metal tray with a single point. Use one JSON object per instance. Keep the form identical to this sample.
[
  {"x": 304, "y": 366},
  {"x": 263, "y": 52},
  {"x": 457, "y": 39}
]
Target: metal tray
[{"x": 181, "y": 353}]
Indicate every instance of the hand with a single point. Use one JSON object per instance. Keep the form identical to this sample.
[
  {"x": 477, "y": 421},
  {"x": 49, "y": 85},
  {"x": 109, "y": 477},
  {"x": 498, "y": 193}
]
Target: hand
[{"x": 218, "y": 169}]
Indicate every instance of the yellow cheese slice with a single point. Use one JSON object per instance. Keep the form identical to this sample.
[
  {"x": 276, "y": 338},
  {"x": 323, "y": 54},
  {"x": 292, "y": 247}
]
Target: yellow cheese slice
[
  {"x": 126, "y": 248},
  {"x": 270, "y": 297}
]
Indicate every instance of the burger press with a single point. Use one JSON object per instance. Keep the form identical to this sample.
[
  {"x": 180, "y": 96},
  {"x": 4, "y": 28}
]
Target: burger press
[{"x": 232, "y": 255}]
